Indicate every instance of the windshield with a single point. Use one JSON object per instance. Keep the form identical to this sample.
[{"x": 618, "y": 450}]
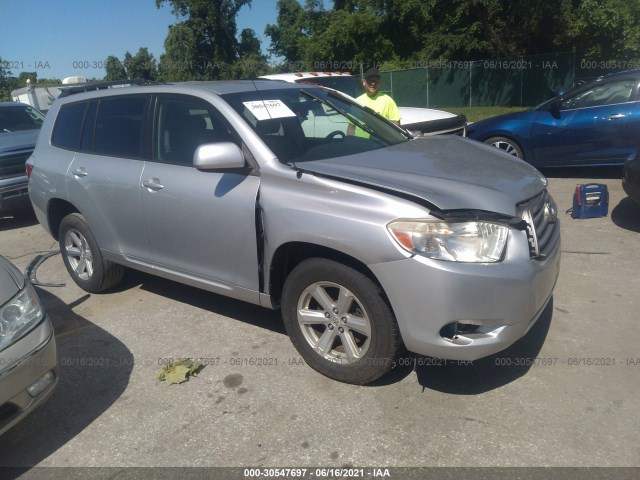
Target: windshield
[
  {"x": 558, "y": 97},
  {"x": 301, "y": 124},
  {"x": 19, "y": 117}
]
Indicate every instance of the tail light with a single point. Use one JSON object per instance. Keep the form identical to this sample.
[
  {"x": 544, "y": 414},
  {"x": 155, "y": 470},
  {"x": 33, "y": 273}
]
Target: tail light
[{"x": 29, "y": 167}]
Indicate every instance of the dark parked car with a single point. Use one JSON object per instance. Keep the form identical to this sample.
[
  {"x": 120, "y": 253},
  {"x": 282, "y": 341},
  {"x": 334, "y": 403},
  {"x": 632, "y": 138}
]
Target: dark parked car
[
  {"x": 597, "y": 123},
  {"x": 631, "y": 178},
  {"x": 19, "y": 128}
]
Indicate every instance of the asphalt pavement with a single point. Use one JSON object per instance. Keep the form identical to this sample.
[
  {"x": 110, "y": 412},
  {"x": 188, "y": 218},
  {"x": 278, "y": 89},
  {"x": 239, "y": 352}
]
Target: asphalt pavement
[{"x": 566, "y": 395}]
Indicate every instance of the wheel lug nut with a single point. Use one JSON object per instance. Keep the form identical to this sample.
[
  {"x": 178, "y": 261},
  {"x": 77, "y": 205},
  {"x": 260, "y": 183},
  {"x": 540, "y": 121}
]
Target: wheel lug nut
[
  {"x": 330, "y": 326},
  {"x": 341, "y": 330},
  {"x": 335, "y": 310},
  {"x": 327, "y": 314},
  {"x": 343, "y": 319}
]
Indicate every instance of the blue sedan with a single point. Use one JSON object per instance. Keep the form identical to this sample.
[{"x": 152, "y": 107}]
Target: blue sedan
[{"x": 593, "y": 124}]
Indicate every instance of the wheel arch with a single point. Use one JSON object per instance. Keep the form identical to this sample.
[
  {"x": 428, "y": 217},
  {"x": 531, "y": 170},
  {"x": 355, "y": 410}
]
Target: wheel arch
[
  {"x": 289, "y": 255},
  {"x": 57, "y": 209}
]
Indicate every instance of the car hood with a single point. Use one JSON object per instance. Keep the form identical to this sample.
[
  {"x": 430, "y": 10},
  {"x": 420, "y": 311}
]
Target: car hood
[
  {"x": 11, "y": 281},
  {"x": 13, "y": 142},
  {"x": 449, "y": 172},
  {"x": 416, "y": 115}
]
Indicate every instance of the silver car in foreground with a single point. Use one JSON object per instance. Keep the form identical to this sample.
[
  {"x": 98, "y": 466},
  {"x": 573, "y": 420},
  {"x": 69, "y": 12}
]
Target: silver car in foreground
[
  {"x": 366, "y": 242},
  {"x": 28, "y": 365}
]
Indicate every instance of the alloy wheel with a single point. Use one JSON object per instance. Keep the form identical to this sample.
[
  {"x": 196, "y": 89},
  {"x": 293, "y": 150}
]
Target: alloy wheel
[
  {"x": 334, "y": 322},
  {"x": 79, "y": 254}
]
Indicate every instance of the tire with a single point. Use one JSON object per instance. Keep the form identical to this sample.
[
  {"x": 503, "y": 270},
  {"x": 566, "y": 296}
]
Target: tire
[
  {"x": 506, "y": 145},
  {"x": 82, "y": 256},
  {"x": 353, "y": 341}
]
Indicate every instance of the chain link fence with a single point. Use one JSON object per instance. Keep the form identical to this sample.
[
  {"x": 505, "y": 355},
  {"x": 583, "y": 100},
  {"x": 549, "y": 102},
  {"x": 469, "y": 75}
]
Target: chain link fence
[{"x": 522, "y": 81}]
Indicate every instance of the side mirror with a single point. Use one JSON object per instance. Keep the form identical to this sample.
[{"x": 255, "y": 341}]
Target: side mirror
[
  {"x": 218, "y": 156},
  {"x": 554, "y": 109}
]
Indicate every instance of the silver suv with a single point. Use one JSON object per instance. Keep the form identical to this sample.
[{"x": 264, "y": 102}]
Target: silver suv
[{"x": 367, "y": 243}]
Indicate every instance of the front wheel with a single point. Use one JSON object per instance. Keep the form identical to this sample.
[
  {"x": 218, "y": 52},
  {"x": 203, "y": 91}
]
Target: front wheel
[
  {"x": 339, "y": 321},
  {"x": 506, "y": 145},
  {"x": 83, "y": 258}
]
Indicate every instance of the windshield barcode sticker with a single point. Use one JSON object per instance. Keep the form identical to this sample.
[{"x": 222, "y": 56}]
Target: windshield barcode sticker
[{"x": 266, "y": 109}]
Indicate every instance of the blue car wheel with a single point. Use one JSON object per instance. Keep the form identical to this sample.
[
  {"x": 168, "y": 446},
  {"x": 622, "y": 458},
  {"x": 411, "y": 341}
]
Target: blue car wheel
[{"x": 506, "y": 145}]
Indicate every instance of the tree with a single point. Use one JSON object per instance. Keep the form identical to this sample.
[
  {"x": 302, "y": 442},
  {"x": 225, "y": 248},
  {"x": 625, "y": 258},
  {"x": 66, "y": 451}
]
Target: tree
[
  {"x": 606, "y": 30},
  {"x": 249, "y": 43},
  {"x": 5, "y": 89},
  {"x": 203, "y": 46},
  {"x": 115, "y": 69},
  {"x": 178, "y": 63},
  {"x": 141, "y": 65},
  {"x": 288, "y": 34},
  {"x": 366, "y": 31},
  {"x": 251, "y": 62},
  {"x": 24, "y": 76},
  {"x": 49, "y": 81}
]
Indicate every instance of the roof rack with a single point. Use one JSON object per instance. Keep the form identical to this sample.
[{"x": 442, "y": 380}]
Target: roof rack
[{"x": 89, "y": 87}]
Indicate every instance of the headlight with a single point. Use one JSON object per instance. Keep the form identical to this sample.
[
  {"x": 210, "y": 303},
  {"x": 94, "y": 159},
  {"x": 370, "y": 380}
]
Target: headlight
[
  {"x": 475, "y": 241},
  {"x": 19, "y": 315}
]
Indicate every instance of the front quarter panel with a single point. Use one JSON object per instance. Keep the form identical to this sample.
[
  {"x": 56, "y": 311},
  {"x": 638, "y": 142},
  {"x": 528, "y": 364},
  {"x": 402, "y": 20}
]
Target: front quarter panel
[
  {"x": 514, "y": 126},
  {"x": 319, "y": 211}
]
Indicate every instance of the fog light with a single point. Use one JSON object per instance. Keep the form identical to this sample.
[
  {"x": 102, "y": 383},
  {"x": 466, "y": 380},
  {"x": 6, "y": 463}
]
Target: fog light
[
  {"x": 41, "y": 384},
  {"x": 454, "y": 329}
]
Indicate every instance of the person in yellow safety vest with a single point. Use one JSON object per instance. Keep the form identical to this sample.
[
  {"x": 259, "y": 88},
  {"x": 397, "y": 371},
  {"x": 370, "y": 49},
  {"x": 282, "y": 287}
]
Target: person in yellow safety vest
[{"x": 379, "y": 102}]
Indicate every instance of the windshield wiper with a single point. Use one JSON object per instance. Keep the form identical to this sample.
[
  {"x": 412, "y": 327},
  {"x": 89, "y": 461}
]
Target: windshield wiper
[{"x": 349, "y": 116}]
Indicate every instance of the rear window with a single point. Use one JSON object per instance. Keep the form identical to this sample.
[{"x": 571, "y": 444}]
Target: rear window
[{"x": 68, "y": 127}]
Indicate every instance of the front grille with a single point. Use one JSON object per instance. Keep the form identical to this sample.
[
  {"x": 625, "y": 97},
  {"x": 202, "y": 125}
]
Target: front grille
[
  {"x": 13, "y": 165},
  {"x": 543, "y": 231}
]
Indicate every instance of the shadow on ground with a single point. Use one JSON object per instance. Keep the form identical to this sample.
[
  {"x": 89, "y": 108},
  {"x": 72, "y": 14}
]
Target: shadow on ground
[
  {"x": 488, "y": 373},
  {"x": 18, "y": 219},
  {"x": 627, "y": 215},
  {"x": 219, "y": 304},
  {"x": 94, "y": 371},
  {"x": 451, "y": 377}
]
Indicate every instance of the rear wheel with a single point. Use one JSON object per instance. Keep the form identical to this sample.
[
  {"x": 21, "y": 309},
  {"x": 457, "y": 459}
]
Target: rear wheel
[
  {"x": 506, "y": 145},
  {"x": 83, "y": 258},
  {"x": 339, "y": 321}
]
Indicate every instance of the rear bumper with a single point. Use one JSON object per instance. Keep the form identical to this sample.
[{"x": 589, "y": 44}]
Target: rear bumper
[
  {"x": 504, "y": 300},
  {"x": 14, "y": 193},
  {"x": 18, "y": 373}
]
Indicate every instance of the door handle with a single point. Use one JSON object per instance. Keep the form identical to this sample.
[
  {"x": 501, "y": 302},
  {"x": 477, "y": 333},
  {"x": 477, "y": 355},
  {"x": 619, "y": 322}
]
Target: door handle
[
  {"x": 616, "y": 116},
  {"x": 153, "y": 184},
  {"x": 80, "y": 172}
]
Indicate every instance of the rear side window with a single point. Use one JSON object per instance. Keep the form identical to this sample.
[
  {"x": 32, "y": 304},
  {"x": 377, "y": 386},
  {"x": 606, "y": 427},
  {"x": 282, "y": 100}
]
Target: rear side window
[
  {"x": 118, "y": 130},
  {"x": 68, "y": 128}
]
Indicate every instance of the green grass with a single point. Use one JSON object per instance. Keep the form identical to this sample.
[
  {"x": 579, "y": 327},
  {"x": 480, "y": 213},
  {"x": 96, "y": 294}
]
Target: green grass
[{"x": 478, "y": 113}]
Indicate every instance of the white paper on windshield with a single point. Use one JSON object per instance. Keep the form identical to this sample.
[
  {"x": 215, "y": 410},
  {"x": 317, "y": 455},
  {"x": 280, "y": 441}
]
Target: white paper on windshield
[{"x": 266, "y": 109}]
